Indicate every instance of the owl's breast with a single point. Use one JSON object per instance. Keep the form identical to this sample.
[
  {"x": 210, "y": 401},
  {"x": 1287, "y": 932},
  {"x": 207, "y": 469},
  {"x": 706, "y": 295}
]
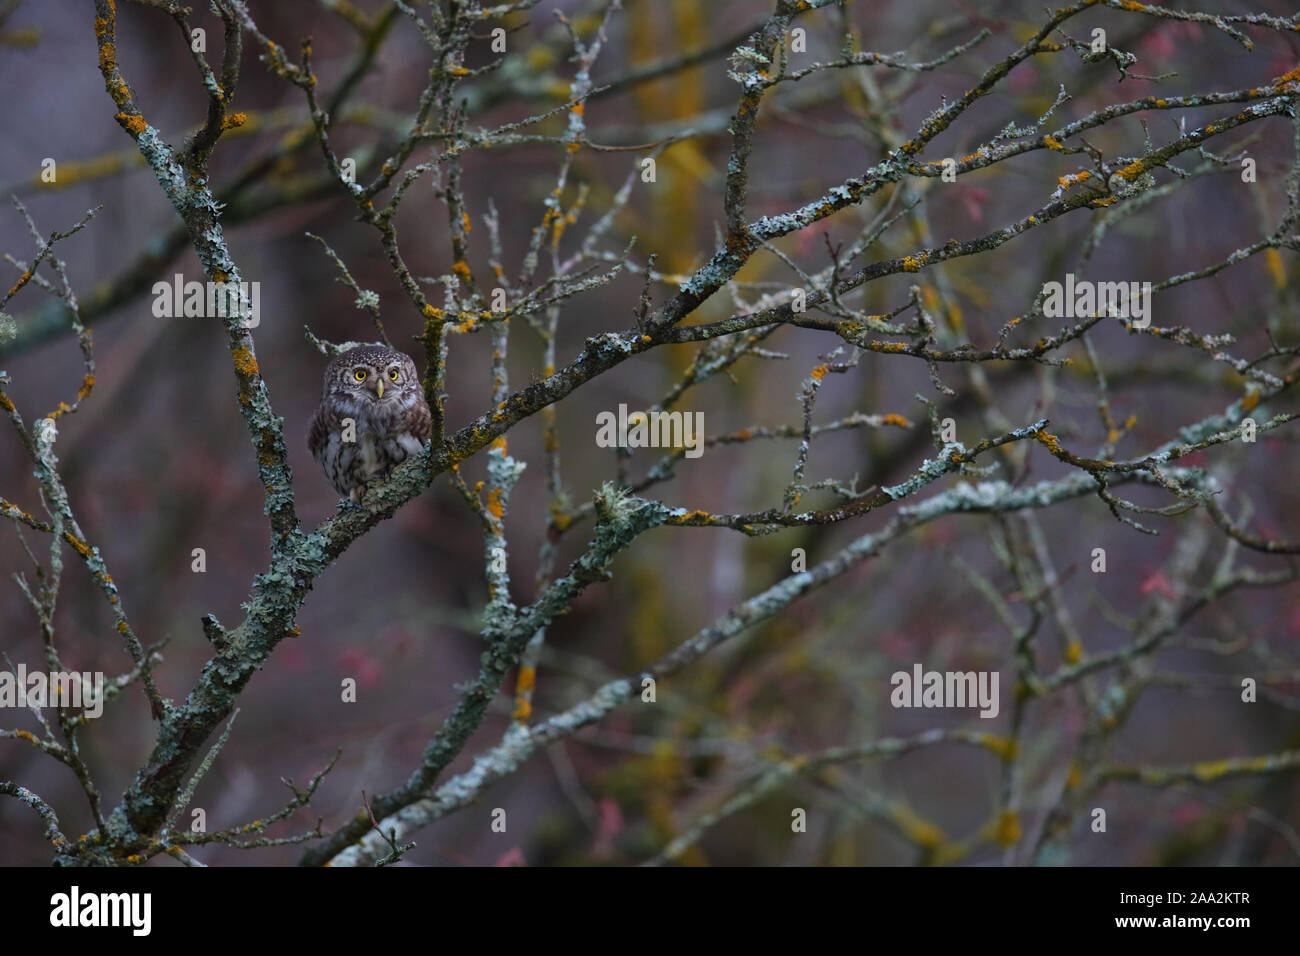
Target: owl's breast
[
  {"x": 358, "y": 452},
  {"x": 368, "y": 450}
]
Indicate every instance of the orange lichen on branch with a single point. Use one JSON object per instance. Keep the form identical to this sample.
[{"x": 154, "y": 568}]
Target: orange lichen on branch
[
  {"x": 898, "y": 421},
  {"x": 107, "y": 51},
  {"x": 135, "y": 125},
  {"x": 118, "y": 89},
  {"x": 1132, "y": 170},
  {"x": 22, "y": 281},
  {"x": 1291, "y": 76},
  {"x": 1050, "y": 441},
  {"x": 691, "y": 517},
  {"x": 245, "y": 362},
  {"x": 10, "y": 509},
  {"x": 78, "y": 545}
]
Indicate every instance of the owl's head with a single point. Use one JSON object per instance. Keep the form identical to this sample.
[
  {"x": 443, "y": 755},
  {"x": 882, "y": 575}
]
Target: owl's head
[{"x": 372, "y": 373}]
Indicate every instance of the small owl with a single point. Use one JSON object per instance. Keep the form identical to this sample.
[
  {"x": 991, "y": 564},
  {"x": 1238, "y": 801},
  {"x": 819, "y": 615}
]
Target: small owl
[{"x": 379, "y": 390}]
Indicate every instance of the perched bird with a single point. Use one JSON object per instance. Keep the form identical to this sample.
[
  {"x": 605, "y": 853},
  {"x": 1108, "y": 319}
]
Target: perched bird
[{"x": 372, "y": 416}]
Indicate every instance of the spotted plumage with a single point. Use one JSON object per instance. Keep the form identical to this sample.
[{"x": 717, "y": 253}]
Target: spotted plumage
[{"x": 379, "y": 389}]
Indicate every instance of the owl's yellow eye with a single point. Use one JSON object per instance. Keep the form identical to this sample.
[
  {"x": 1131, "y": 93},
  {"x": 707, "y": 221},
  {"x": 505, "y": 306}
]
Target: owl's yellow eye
[
  {"x": 392, "y": 373},
  {"x": 359, "y": 374}
]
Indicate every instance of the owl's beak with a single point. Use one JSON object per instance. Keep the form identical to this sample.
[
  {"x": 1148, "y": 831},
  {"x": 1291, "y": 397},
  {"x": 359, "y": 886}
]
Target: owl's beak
[{"x": 379, "y": 387}]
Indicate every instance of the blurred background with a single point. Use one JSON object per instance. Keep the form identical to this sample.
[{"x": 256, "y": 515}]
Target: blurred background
[{"x": 157, "y": 461}]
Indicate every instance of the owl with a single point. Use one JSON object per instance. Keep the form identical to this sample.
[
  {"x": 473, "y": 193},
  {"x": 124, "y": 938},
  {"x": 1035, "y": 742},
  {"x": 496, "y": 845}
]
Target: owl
[{"x": 379, "y": 390}]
